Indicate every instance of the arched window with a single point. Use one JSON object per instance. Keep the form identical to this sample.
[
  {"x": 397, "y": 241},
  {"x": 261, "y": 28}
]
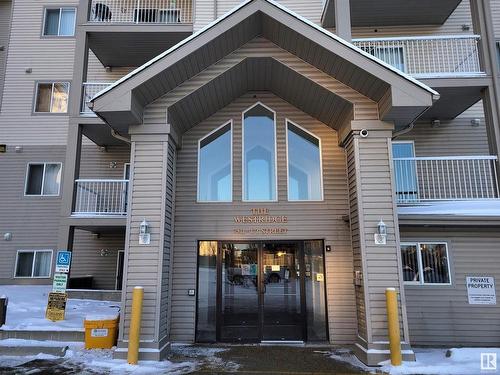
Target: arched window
[
  {"x": 215, "y": 177},
  {"x": 259, "y": 154},
  {"x": 304, "y": 165}
]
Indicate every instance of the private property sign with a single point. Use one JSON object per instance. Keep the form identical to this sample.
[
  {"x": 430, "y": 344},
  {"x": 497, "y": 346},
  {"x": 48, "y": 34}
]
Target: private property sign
[{"x": 481, "y": 290}]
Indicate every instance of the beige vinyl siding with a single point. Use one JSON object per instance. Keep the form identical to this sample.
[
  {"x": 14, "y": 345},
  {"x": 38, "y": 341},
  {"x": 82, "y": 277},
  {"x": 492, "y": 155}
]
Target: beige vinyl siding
[
  {"x": 453, "y": 25},
  {"x": 5, "y": 13},
  {"x": 96, "y": 72},
  {"x": 96, "y": 163},
  {"x": 50, "y": 58},
  {"x": 97, "y": 256},
  {"x": 33, "y": 221},
  {"x": 441, "y": 315},
  {"x": 314, "y": 220},
  {"x": 451, "y": 138}
]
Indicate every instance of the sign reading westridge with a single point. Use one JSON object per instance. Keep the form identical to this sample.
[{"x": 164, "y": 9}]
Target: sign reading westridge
[
  {"x": 261, "y": 216},
  {"x": 481, "y": 290}
]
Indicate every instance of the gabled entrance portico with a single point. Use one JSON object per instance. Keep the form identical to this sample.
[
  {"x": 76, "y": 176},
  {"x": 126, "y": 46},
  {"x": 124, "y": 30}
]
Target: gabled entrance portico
[{"x": 262, "y": 52}]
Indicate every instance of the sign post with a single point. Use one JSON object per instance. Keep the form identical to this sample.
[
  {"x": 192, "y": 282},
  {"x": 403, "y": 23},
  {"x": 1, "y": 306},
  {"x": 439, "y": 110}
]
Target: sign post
[{"x": 56, "y": 305}]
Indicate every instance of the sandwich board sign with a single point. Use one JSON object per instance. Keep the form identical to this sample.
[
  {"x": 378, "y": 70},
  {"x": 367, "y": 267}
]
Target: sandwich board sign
[
  {"x": 481, "y": 290},
  {"x": 63, "y": 261},
  {"x": 56, "y": 306}
]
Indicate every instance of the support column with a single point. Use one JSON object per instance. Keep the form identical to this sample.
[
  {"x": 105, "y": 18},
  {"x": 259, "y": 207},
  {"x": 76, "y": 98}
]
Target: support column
[
  {"x": 377, "y": 267},
  {"x": 151, "y": 199},
  {"x": 483, "y": 26},
  {"x": 343, "y": 19}
]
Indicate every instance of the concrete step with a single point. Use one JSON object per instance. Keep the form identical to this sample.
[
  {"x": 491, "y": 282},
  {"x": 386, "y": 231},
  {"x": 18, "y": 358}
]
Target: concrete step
[{"x": 64, "y": 336}]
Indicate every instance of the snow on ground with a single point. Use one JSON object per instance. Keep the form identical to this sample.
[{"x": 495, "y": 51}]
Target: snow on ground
[
  {"x": 467, "y": 208},
  {"x": 27, "y": 304},
  {"x": 463, "y": 361}
]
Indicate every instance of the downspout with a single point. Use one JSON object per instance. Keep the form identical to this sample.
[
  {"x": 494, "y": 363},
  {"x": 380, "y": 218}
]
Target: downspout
[{"x": 115, "y": 134}]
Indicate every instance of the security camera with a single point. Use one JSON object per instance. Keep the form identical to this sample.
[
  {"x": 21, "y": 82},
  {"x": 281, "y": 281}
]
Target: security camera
[{"x": 363, "y": 133}]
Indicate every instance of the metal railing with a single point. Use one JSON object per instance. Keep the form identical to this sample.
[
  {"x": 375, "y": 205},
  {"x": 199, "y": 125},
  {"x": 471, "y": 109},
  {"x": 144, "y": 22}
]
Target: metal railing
[
  {"x": 420, "y": 179},
  {"x": 427, "y": 56},
  {"x": 141, "y": 11},
  {"x": 90, "y": 89},
  {"x": 101, "y": 197}
]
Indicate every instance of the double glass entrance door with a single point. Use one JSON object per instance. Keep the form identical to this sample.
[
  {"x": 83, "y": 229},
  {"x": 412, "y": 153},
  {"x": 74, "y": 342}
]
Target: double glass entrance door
[{"x": 261, "y": 294}]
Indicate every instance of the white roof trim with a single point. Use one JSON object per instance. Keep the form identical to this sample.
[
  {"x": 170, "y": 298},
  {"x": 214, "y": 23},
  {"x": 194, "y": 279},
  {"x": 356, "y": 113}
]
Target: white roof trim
[{"x": 286, "y": 10}]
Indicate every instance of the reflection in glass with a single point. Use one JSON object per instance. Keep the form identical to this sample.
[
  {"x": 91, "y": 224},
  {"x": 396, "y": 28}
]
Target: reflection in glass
[
  {"x": 207, "y": 291},
  {"x": 215, "y": 177},
  {"x": 304, "y": 165},
  {"x": 409, "y": 256},
  {"x": 315, "y": 291},
  {"x": 259, "y": 154},
  {"x": 240, "y": 307},
  {"x": 435, "y": 263}
]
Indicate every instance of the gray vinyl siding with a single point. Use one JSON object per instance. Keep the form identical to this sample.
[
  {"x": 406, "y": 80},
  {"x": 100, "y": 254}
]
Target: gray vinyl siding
[
  {"x": 5, "y": 13},
  {"x": 318, "y": 220},
  {"x": 441, "y": 315},
  {"x": 453, "y": 25},
  {"x": 495, "y": 14},
  {"x": 97, "y": 163},
  {"x": 96, "y": 72},
  {"x": 89, "y": 260},
  {"x": 50, "y": 59},
  {"x": 33, "y": 221}
]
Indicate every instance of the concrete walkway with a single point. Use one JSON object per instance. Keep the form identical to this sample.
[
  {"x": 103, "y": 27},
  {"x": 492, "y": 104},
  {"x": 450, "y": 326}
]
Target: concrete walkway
[{"x": 207, "y": 359}]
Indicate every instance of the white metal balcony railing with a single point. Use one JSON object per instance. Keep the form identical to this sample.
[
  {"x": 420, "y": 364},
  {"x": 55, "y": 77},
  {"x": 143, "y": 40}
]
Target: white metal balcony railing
[
  {"x": 141, "y": 11},
  {"x": 101, "y": 197},
  {"x": 90, "y": 89},
  {"x": 421, "y": 179},
  {"x": 427, "y": 56}
]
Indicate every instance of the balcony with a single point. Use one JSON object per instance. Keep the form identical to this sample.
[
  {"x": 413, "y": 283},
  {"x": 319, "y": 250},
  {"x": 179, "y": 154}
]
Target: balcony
[
  {"x": 450, "y": 178},
  {"x": 103, "y": 198},
  {"x": 131, "y": 32},
  {"x": 449, "y": 64},
  {"x": 90, "y": 89},
  {"x": 428, "y": 57}
]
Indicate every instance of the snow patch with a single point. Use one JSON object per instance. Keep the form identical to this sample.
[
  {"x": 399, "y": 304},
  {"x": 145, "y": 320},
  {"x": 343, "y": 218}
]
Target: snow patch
[
  {"x": 466, "y": 208},
  {"x": 27, "y": 304},
  {"x": 463, "y": 361}
]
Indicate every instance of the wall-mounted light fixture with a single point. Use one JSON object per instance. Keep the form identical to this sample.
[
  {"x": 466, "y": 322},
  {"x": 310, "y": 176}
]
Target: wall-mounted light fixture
[
  {"x": 144, "y": 233},
  {"x": 104, "y": 252},
  {"x": 435, "y": 123},
  {"x": 381, "y": 236},
  {"x": 475, "y": 122},
  {"x": 7, "y": 236}
]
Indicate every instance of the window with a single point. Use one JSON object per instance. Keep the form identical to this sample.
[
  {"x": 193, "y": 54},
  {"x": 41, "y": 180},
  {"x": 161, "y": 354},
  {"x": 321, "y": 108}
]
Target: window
[
  {"x": 43, "y": 179},
  {"x": 215, "y": 178},
  {"x": 304, "y": 165},
  {"x": 425, "y": 263},
  {"x": 52, "y": 97},
  {"x": 59, "y": 22},
  {"x": 33, "y": 263},
  {"x": 259, "y": 154},
  {"x": 405, "y": 171},
  {"x": 391, "y": 55}
]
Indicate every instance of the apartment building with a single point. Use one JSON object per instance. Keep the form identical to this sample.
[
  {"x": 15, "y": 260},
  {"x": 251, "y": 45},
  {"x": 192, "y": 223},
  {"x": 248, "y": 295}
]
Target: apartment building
[{"x": 242, "y": 161}]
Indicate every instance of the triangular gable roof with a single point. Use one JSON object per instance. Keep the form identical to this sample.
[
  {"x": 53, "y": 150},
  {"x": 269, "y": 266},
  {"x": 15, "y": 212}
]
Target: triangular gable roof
[{"x": 125, "y": 100}]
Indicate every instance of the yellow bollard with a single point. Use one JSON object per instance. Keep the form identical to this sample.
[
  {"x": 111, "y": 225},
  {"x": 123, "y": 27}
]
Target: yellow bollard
[
  {"x": 393, "y": 326},
  {"x": 135, "y": 326}
]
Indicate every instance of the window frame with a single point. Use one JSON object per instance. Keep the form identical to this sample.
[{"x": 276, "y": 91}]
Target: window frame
[
  {"x": 44, "y": 163},
  {"x": 230, "y": 123},
  {"x": 287, "y": 120},
  {"x": 37, "y": 87},
  {"x": 421, "y": 281},
  {"x": 61, "y": 8},
  {"x": 243, "y": 167},
  {"x": 33, "y": 263}
]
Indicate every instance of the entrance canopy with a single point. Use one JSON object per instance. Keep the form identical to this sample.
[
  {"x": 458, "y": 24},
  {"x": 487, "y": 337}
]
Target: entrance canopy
[{"x": 398, "y": 97}]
